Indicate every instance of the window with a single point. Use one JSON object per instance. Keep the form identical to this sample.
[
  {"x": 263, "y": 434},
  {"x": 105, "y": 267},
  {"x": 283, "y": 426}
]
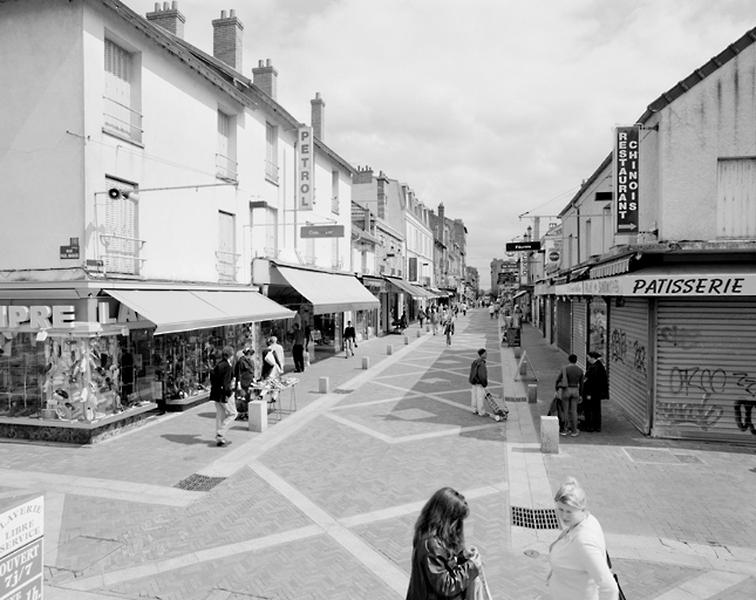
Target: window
[
  {"x": 119, "y": 242},
  {"x": 588, "y": 235},
  {"x": 264, "y": 231},
  {"x": 736, "y": 198},
  {"x": 225, "y": 158},
  {"x": 226, "y": 257},
  {"x": 121, "y": 114},
  {"x": 335, "y": 192},
  {"x": 335, "y": 255},
  {"x": 271, "y": 153}
]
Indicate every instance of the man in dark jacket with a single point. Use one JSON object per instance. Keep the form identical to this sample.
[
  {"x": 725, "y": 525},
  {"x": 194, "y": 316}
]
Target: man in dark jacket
[
  {"x": 595, "y": 389},
  {"x": 570, "y": 381},
  {"x": 350, "y": 339},
  {"x": 244, "y": 371},
  {"x": 479, "y": 381},
  {"x": 221, "y": 392}
]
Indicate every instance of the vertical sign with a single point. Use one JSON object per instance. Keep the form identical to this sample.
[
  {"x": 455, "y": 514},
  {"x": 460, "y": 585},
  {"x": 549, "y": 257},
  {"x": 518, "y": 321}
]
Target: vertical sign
[
  {"x": 305, "y": 180},
  {"x": 21, "y": 551},
  {"x": 626, "y": 178}
]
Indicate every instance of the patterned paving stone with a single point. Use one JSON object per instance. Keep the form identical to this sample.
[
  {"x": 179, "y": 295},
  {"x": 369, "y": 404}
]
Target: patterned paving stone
[{"x": 316, "y": 568}]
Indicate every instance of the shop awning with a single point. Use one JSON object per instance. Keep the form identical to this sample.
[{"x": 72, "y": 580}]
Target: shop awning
[
  {"x": 520, "y": 294},
  {"x": 328, "y": 292},
  {"x": 406, "y": 287},
  {"x": 438, "y": 293},
  {"x": 185, "y": 310}
]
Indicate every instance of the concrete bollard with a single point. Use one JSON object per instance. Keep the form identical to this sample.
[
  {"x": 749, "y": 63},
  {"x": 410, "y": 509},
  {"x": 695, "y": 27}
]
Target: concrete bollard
[
  {"x": 517, "y": 352},
  {"x": 419, "y": 333},
  {"x": 257, "y": 411},
  {"x": 532, "y": 393},
  {"x": 389, "y": 349},
  {"x": 549, "y": 435},
  {"x": 323, "y": 384},
  {"x": 365, "y": 362},
  {"x": 523, "y": 368},
  {"x": 427, "y": 328},
  {"x": 406, "y": 340}
]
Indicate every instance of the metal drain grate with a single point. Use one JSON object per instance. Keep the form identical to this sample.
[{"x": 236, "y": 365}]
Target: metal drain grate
[
  {"x": 342, "y": 391},
  {"x": 534, "y": 518},
  {"x": 199, "y": 483}
]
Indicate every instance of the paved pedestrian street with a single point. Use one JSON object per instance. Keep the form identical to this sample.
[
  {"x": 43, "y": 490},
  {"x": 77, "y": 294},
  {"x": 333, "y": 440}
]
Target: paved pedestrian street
[{"x": 323, "y": 503}]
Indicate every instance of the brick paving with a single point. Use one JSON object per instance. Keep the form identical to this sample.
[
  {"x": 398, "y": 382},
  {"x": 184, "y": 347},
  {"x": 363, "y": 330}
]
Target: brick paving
[{"x": 325, "y": 509}]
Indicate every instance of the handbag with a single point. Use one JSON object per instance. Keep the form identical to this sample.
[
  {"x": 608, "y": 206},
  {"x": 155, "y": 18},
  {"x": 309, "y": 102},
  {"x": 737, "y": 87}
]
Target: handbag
[
  {"x": 616, "y": 579},
  {"x": 554, "y": 407}
]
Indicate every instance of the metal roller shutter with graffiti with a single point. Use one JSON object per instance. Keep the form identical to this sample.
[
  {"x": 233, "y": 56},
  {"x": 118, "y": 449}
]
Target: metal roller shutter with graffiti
[
  {"x": 706, "y": 370},
  {"x": 629, "y": 360},
  {"x": 579, "y": 321}
]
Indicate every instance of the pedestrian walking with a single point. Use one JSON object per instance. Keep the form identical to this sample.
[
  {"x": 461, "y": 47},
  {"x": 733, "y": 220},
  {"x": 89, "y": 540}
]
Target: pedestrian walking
[
  {"x": 434, "y": 321},
  {"x": 491, "y": 310},
  {"x": 570, "y": 383},
  {"x": 479, "y": 381},
  {"x": 222, "y": 393},
  {"x": 449, "y": 329},
  {"x": 441, "y": 565},
  {"x": 298, "y": 348},
  {"x": 271, "y": 370},
  {"x": 578, "y": 557},
  {"x": 350, "y": 339},
  {"x": 244, "y": 371},
  {"x": 278, "y": 349},
  {"x": 595, "y": 390},
  {"x": 421, "y": 317}
]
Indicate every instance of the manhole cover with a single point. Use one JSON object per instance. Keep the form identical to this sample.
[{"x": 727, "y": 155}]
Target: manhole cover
[
  {"x": 651, "y": 455},
  {"x": 199, "y": 483},
  {"x": 534, "y": 518},
  {"x": 342, "y": 391},
  {"x": 688, "y": 459}
]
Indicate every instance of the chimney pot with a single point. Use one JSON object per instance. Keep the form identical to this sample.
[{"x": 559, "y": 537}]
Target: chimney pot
[
  {"x": 232, "y": 13},
  {"x": 227, "y": 39},
  {"x": 317, "y": 116},
  {"x": 168, "y": 17},
  {"x": 265, "y": 77}
]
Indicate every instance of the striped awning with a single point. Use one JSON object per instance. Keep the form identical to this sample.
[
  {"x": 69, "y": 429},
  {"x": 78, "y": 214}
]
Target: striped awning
[{"x": 615, "y": 267}]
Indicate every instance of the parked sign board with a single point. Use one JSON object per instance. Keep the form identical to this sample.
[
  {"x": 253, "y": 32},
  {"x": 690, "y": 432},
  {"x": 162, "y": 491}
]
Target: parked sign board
[{"x": 21, "y": 551}]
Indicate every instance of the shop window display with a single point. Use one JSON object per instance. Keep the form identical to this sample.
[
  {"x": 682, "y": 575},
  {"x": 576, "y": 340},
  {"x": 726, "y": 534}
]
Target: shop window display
[
  {"x": 597, "y": 321},
  {"x": 69, "y": 378}
]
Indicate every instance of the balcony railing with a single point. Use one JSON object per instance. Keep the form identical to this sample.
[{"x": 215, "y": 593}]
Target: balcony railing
[
  {"x": 122, "y": 120},
  {"x": 227, "y": 264},
  {"x": 122, "y": 253},
  {"x": 225, "y": 168},
  {"x": 271, "y": 171}
]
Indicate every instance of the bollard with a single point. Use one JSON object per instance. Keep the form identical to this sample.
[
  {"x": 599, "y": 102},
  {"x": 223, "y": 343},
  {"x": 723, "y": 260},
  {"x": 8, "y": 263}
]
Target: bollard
[
  {"x": 532, "y": 393},
  {"x": 365, "y": 362},
  {"x": 427, "y": 328},
  {"x": 419, "y": 333},
  {"x": 517, "y": 351},
  {"x": 323, "y": 384},
  {"x": 389, "y": 349},
  {"x": 406, "y": 340},
  {"x": 523, "y": 368},
  {"x": 549, "y": 435},
  {"x": 257, "y": 411}
]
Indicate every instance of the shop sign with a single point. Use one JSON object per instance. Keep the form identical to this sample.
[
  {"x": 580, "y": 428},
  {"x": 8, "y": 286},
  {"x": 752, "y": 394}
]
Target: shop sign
[
  {"x": 72, "y": 250},
  {"x": 699, "y": 284},
  {"x": 37, "y": 317},
  {"x": 305, "y": 180},
  {"x": 322, "y": 231},
  {"x": 626, "y": 167},
  {"x": 21, "y": 531},
  {"x": 523, "y": 246}
]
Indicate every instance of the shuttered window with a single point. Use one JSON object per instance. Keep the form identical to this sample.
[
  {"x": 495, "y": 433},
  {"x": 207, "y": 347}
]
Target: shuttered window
[
  {"x": 121, "y": 102},
  {"x": 119, "y": 244},
  {"x": 736, "y": 198}
]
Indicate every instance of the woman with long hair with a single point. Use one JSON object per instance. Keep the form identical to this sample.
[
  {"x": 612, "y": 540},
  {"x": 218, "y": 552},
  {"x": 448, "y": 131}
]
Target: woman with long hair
[
  {"x": 441, "y": 566},
  {"x": 579, "y": 568}
]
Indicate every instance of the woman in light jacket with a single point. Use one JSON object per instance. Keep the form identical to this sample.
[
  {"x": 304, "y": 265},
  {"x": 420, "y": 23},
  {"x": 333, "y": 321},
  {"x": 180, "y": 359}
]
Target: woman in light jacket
[{"x": 579, "y": 569}]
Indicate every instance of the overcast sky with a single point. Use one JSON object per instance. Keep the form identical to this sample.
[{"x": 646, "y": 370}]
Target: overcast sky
[{"x": 493, "y": 107}]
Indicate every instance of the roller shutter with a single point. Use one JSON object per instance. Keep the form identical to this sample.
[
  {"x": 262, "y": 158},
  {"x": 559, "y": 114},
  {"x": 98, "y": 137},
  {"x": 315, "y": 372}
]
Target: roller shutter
[
  {"x": 629, "y": 360},
  {"x": 706, "y": 370},
  {"x": 564, "y": 325},
  {"x": 579, "y": 335}
]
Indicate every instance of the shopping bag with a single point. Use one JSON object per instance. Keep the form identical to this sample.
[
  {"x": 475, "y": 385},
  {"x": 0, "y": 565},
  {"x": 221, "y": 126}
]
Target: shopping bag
[
  {"x": 307, "y": 358},
  {"x": 554, "y": 407}
]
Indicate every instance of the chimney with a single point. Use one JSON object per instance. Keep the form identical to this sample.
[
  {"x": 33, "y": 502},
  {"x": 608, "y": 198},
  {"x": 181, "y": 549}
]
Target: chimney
[
  {"x": 169, "y": 18},
  {"x": 363, "y": 175},
  {"x": 317, "y": 119},
  {"x": 441, "y": 222},
  {"x": 265, "y": 77},
  {"x": 227, "y": 39}
]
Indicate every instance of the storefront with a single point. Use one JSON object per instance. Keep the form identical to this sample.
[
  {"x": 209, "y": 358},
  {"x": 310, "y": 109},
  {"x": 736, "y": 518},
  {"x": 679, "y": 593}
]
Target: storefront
[
  {"x": 324, "y": 301},
  {"x": 408, "y": 298},
  {"x": 681, "y": 347},
  {"x": 81, "y": 359},
  {"x": 375, "y": 321}
]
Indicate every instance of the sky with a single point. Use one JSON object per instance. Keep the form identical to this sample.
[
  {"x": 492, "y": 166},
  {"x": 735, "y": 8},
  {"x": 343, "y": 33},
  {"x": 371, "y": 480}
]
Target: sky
[{"x": 495, "y": 108}]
